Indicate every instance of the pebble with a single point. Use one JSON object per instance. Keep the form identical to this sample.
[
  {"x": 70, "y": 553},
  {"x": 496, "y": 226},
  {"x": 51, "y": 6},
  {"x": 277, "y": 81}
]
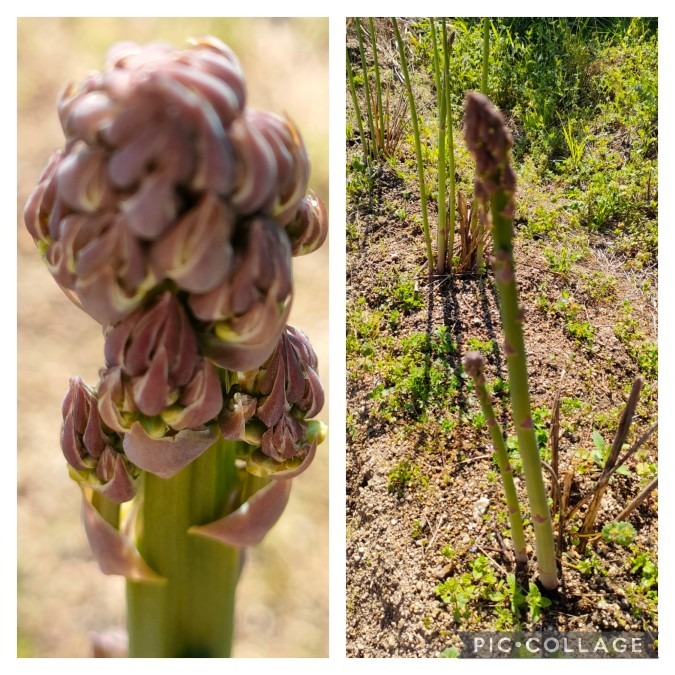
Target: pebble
[
  {"x": 480, "y": 507},
  {"x": 445, "y": 571},
  {"x": 394, "y": 521}
]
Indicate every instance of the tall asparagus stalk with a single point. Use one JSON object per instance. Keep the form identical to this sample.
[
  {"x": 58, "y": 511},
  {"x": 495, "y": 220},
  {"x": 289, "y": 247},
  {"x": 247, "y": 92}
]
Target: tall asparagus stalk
[
  {"x": 484, "y": 91},
  {"x": 441, "y": 85},
  {"x": 450, "y": 227},
  {"x": 489, "y": 141},
  {"x": 418, "y": 146},
  {"x": 474, "y": 365},
  {"x": 486, "y": 56}
]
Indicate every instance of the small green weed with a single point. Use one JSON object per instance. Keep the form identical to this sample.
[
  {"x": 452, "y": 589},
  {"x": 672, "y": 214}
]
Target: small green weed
[
  {"x": 590, "y": 566},
  {"x": 535, "y": 603},
  {"x": 571, "y": 313},
  {"x": 417, "y": 529},
  {"x": 643, "y": 352},
  {"x": 575, "y": 142},
  {"x": 483, "y": 346},
  {"x": 643, "y": 594},
  {"x": 561, "y": 260},
  {"x": 398, "y": 291},
  {"x": 363, "y": 335},
  {"x": 458, "y": 592},
  {"x": 599, "y": 286},
  {"x": 601, "y": 451},
  {"x": 420, "y": 378},
  {"x": 405, "y": 296},
  {"x": 404, "y": 475},
  {"x": 644, "y": 563},
  {"x": 621, "y": 533},
  {"x": 360, "y": 181}
]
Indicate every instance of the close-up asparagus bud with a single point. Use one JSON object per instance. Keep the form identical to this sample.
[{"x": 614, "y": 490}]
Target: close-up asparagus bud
[
  {"x": 156, "y": 384},
  {"x": 197, "y": 252},
  {"x": 146, "y": 138},
  {"x": 171, "y": 217},
  {"x": 489, "y": 141},
  {"x": 273, "y": 167},
  {"x": 92, "y": 450},
  {"x": 270, "y": 404},
  {"x": 288, "y": 380}
]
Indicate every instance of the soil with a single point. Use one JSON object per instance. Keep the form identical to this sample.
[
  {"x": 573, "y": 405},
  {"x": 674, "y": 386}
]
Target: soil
[
  {"x": 395, "y": 537},
  {"x": 62, "y": 595}
]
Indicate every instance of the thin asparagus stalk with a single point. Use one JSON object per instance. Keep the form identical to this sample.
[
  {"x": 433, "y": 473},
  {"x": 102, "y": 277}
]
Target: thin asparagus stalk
[
  {"x": 366, "y": 89},
  {"x": 418, "y": 146},
  {"x": 474, "y": 365},
  {"x": 450, "y": 228},
  {"x": 378, "y": 87},
  {"x": 489, "y": 141},
  {"x": 357, "y": 110},
  {"x": 486, "y": 55},
  {"x": 441, "y": 228}
]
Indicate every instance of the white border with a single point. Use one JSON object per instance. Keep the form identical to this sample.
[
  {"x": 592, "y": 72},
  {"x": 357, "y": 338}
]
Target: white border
[{"x": 337, "y": 662}]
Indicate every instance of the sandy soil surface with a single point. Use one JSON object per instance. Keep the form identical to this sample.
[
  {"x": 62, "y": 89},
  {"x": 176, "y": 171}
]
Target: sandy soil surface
[{"x": 62, "y": 595}]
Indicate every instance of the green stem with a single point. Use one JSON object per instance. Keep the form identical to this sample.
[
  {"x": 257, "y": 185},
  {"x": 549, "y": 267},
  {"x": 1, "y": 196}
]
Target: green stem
[
  {"x": 517, "y": 533},
  {"x": 437, "y": 68},
  {"x": 486, "y": 55},
  {"x": 418, "y": 147},
  {"x": 441, "y": 229},
  {"x": 378, "y": 86},
  {"x": 357, "y": 110},
  {"x": 366, "y": 89},
  {"x": 451, "y": 152},
  {"x": 192, "y": 613},
  {"x": 483, "y": 88},
  {"x": 514, "y": 348}
]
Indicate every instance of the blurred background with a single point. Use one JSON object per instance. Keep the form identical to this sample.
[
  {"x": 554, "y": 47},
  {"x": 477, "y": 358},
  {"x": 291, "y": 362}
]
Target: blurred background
[{"x": 282, "y": 602}]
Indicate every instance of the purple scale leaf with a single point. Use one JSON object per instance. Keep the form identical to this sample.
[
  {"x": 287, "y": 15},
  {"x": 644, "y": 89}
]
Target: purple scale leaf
[
  {"x": 152, "y": 208},
  {"x": 201, "y": 400},
  {"x": 248, "y": 525},
  {"x": 167, "y": 456},
  {"x": 112, "y": 549},
  {"x": 196, "y": 252}
]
